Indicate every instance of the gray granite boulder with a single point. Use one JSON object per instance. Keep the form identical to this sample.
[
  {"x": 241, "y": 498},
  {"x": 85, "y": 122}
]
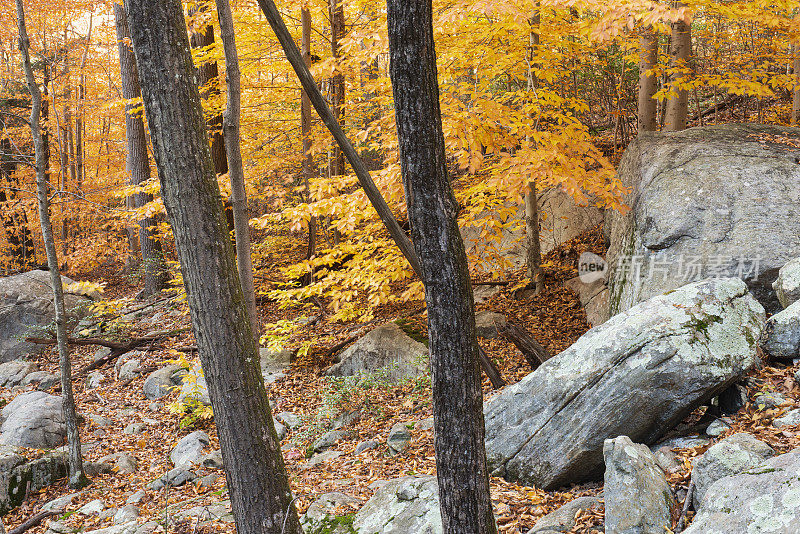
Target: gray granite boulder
[
  {"x": 325, "y": 515},
  {"x": 730, "y": 456},
  {"x": 386, "y": 348},
  {"x": 33, "y": 420},
  {"x": 764, "y": 499},
  {"x": 408, "y": 505},
  {"x": 26, "y": 307},
  {"x": 781, "y": 337},
  {"x": 13, "y": 373},
  {"x": 638, "y": 375},
  {"x": 191, "y": 450},
  {"x": 787, "y": 285},
  {"x": 16, "y": 472},
  {"x": 637, "y": 496},
  {"x": 692, "y": 217},
  {"x": 161, "y": 382}
]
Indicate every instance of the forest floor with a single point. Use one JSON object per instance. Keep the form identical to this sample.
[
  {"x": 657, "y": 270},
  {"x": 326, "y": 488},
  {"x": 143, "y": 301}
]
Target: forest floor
[{"x": 554, "y": 317}]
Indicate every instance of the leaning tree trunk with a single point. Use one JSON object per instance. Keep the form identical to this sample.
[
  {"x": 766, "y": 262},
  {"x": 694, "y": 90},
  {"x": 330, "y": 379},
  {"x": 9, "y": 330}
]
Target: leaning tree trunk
[
  {"x": 648, "y": 83},
  {"x": 680, "y": 52},
  {"x": 259, "y": 489},
  {"x": 137, "y": 162},
  {"x": 77, "y": 478},
  {"x": 231, "y": 122},
  {"x": 432, "y": 208}
]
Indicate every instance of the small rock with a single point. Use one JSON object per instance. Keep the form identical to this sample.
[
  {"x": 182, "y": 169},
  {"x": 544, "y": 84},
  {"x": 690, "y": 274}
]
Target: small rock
[
  {"x": 42, "y": 380},
  {"x": 13, "y": 373},
  {"x": 790, "y": 418},
  {"x": 787, "y": 285},
  {"x": 97, "y": 468},
  {"x": 92, "y": 507},
  {"x": 101, "y": 353},
  {"x": 730, "y": 456},
  {"x": 487, "y": 323},
  {"x": 320, "y": 512},
  {"x": 563, "y": 519},
  {"x": 123, "y": 462},
  {"x": 57, "y": 527},
  {"x": 213, "y": 460},
  {"x": 289, "y": 419},
  {"x": 636, "y": 493},
  {"x": 399, "y": 438},
  {"x": 155, "y": 406},
  {"x": 320, "y": 458},
  {"x": 683, "y": 443},
  {"x": 136, "y": 497},
  {"x": 209, "y": 480},
  {"x": 129, "y": 512},
  {"x": 134, "y": 428},
  {"x": 191, "y": 449},
  {"x": 94, "y": 379},
  {"x": 667, "y": 460},
  {"x": 424, "y": 425},
  {"x": 60, "y": 504},
  {"x": 174, "y": 478},
  {"x": 766, "y": 401},
  {"x": 129, "y": 369},
  {"x": 328, "y": 439},
  {"x": 365, "y": 446},
  {"x": 717, "y": 428},
  {"x": 781, "y": 336},
  {"x": 160, "y": 383},
  {"x": 280, "y": 430},
  {"x": 100, "y": 420},
  {"x": 482, "y": 293},
  {"x": 346, "y": 419}
]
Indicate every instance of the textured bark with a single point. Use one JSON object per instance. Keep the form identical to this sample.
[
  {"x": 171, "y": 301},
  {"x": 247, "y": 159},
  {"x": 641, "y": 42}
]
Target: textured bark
[
  {"x": 260, "y": 496},
  {"x": 136, "y": 160},
  {"x": 208, "y": 81},
  {"x": 230, "y": 124},
  {"x": 680, "y": 51},
  {"x": 648, "y": 84},
  {"x": 432, "y": 208},
  {"x": 307, "y": 81},
  {"x": 336, "y": 11},
  {"x": 77, "y": 478},
  {"x": 305, "y": 128},
  {"x": 533, "y": 248},
  {"x": 796, "y": 92}
]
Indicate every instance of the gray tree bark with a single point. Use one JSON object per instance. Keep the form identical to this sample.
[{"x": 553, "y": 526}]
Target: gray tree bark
[
  {"x": 136, "y": 160},
  {"x": 230, "y": 126},
  {"x": 648, "y": 56},
  {"x": 260, "y": 496},
  {"x": 796, "y": 92},
  {"x": 457, "y": 400},
  {"x": 336, "y": 10},
  {"x": 680, "y": 51},
  {"x": 305, "y": 128},
  {"x": 533, "y": 246},
  {"x": 77, "y": 478}
]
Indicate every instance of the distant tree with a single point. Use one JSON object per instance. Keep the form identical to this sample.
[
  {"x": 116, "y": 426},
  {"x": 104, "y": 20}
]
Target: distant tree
[
  {"x": 648, "y": 83},
  {"x": 136, "y": 159},
  {"x": 77, "y": 478},
  {"x": 260, "y": 496},
  {"x": 680, "y": 52},
  {"x": 432, "y": 210}
]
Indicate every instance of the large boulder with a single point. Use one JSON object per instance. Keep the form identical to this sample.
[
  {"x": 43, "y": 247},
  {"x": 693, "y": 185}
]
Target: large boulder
[
  {"x": 33, "y": 420},
  {"x": 764, "y": 500},
  {"x": 17, "y": 472},
  {"x": 639, "y": 374},
  {"x": 387, "y": 349},
  {"x": 706, "y": 202},
  {"x": 408, "y": 505},
  {"x": 787, "y": 285},
  {"x": 561, "y": 220},
  {"x": 730, "y": 456},
  {"x": 13, "y": 373},
  {"x": 26, "y": 307}
]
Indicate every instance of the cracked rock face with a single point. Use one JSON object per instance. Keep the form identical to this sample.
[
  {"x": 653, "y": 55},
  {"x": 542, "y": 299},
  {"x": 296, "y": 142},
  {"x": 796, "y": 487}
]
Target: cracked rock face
[
  {"x": 637, "y": 375},
  {"x": 692, "y": 211},
  {"x": 761, "y": 500},
  {"x": 408, "y": 505}
]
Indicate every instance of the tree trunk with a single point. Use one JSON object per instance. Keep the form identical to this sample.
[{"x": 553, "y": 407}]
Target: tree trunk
[
  {"x": 305, "y": 128},
  {"x": 260, "y": 496},
  {"x": 533, "y": 247},
  {"x": 208, "y": 81},
  {"x": 680, "y": 52},
  {"x": 307, "y": 81},
  {"x": 432, "y": 208},
  {"x": 137, "y": 162},
  {"x": 231, "y": 123},
  {"x": 336, "y": 9},
  {"x": 648, "y": 84},
  {"x": 77, "y": 478},
  {"x": 796, "y": 92}
]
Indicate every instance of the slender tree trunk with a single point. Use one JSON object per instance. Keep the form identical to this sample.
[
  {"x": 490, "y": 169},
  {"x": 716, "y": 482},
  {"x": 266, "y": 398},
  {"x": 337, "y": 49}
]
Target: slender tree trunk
[
  {"x": 796, "y": 92},
  {"x": 231, "y": 123},
  {"x": 680, "y": 52},
  {"x": 336, "y": 9},
  {"x": 77, "y": 478},
  {"x": 260, "y": 496},
  {"x": 305, "y": 127},
  {"x": 137, "y": 162},
  {"x": 208, "y": 81},
  {"x": 80, "y": 166},
  {"x": 648, "y": 84},
  {"x": 432, "y": 208},
  {"x": 307, "y": 81},
  {"x": 533, "y": 246}
]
